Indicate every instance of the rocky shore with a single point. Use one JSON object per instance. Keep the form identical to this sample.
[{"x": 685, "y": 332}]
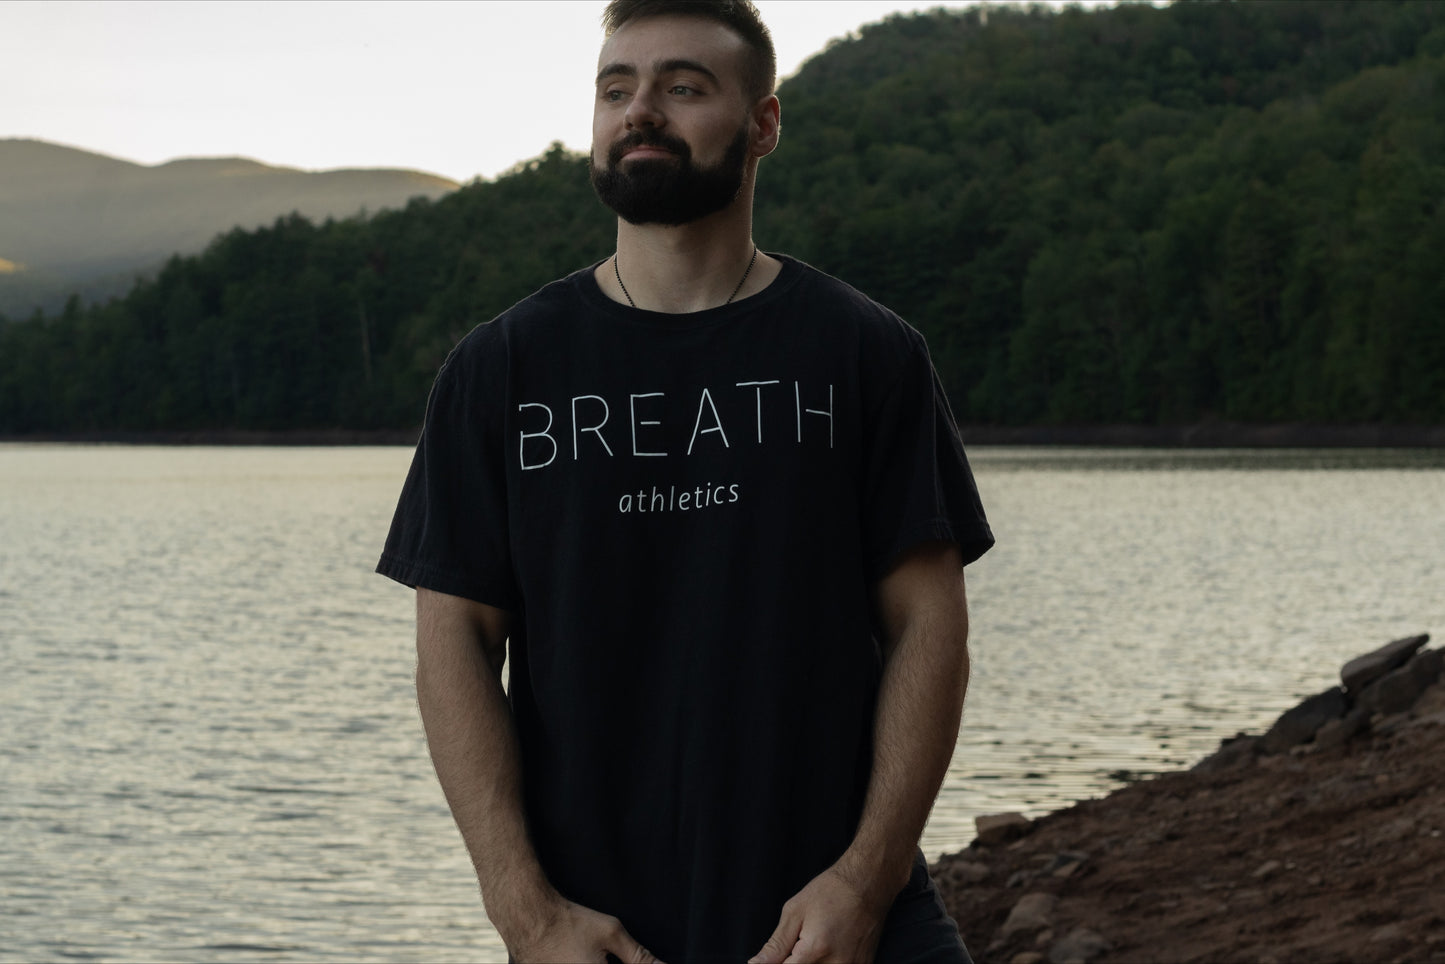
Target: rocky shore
[{"x": 1320, "y": 840}]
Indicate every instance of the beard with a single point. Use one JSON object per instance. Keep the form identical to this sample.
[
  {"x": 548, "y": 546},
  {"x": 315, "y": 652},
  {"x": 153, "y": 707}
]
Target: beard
[{"x": 668, "y": 191}]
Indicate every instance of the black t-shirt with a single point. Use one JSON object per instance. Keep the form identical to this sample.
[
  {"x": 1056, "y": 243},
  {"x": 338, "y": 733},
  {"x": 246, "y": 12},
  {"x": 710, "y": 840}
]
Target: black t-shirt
[{"x": 686, "y": 513}]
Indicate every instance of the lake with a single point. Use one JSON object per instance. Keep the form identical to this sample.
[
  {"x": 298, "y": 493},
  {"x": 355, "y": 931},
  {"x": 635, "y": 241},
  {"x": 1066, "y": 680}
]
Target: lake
[{"x": 213, "y": 750}]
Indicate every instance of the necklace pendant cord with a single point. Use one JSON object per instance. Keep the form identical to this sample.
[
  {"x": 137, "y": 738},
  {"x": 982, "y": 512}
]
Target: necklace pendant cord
[{"x": 741, "y": 281}]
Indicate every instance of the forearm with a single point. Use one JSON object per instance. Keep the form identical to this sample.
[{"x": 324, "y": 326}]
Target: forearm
[
  {"x": 920, "y": 704},
  {"x": 472, "y": 739},
  {"x": 839, "y": 915},
  {"x": 922, "y": 615}
]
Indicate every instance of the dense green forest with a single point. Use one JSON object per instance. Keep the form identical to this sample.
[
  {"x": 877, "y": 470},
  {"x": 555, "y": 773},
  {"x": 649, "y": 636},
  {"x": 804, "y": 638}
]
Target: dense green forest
[{"x": 1207, "y": 211}]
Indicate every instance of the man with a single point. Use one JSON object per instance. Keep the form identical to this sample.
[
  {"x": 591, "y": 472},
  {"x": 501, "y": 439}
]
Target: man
[{"x": 713, "y": 505}]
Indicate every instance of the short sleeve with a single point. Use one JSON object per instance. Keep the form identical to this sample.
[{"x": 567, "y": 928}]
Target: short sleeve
[
  {"x": 918, "y": 484},
  {"x": 450, "y": 529}
]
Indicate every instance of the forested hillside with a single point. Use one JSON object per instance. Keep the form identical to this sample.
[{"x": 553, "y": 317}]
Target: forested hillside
[{"x": 1131, "y": 215}]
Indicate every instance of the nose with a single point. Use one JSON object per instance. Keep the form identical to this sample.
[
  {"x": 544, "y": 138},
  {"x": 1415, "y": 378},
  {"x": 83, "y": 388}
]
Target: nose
[{"x": 643, "y": 111}]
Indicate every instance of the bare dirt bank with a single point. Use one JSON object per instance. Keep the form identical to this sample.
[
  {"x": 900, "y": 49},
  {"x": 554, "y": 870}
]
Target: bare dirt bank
[{"x": 1321, "y": 841}]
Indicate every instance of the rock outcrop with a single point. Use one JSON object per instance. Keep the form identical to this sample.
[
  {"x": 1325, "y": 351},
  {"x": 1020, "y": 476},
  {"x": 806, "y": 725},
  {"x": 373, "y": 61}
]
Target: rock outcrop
[
  {"x": 1322, "y": 839},
  {"x": 1375, "y": 686}
]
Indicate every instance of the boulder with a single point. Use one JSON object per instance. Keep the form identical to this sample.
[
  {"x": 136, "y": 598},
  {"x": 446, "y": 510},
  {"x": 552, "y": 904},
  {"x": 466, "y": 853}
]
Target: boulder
[
  {"x": 1079, "y": 946},
  {"x": 997, "y": 828},
  {"x": 1363, "y": 670},
  {"x": 964, "y": 873},
  {"x": 1033, "y": 912},
  {"x": 1396, "y": 691},
  {"x": 1237, "y": 750},
  {"x": 1065, "y": 863},
  {"x": 1020, "y": 877},
  {"x": 1300, "y": 724},
  {"x": 1346, "y": 728},
  {"x": 1429, "y": 665}
]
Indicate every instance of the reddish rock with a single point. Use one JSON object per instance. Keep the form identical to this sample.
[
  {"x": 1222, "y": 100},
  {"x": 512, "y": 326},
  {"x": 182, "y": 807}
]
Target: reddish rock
[
  {"x": 1301, "y": 723},
  {"x": 1079, "y": 946},
  {"x": 997, "y": 828},
  {"x": 1355, "y": 832},
  {"x": 1032, "y": 913},
  {"x": 1396, "y": 691},
  {"x": 1362, "y": 670}
]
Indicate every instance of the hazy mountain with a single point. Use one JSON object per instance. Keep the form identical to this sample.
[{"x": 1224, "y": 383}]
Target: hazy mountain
[{"x": 72, "y": 220}]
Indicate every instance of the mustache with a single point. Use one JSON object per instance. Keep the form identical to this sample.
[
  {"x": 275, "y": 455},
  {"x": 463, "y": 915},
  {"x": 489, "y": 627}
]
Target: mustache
[{"x": 650, "y": 138}]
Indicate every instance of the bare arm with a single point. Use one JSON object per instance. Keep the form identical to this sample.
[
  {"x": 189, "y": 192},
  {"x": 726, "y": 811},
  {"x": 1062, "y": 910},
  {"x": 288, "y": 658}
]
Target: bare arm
[
  {"x": 461, "y": 646},
  {"x": 922, "y": 610}
]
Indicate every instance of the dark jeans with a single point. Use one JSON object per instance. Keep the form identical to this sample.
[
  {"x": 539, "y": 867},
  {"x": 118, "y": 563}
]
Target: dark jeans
[{"x": 918, "y": 929}]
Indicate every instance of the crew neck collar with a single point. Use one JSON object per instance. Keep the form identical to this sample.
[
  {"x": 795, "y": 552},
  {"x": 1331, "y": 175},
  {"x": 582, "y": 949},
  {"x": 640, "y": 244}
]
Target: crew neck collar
[{"x": 586, "y": 283}]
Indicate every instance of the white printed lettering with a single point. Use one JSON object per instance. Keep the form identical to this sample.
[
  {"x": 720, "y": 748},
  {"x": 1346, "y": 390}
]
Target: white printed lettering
[
  {"x": 545, "y": 433},
  {"x": 635, "y": 423},
  {"x": 706, "y": 399},
  {"x": 655, "y": 499},
  {"x": 758, "y": 387},
  {"x": 578, "y": 429},
  {"x": 798, "y": 407}
]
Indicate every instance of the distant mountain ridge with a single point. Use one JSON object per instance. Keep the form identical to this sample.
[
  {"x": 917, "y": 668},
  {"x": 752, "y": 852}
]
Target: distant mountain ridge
[{"x": 72, "y": 219}]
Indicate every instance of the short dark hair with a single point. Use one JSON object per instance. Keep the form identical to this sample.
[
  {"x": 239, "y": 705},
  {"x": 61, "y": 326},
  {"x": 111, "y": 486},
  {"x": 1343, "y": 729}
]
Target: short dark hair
[{"x": 740, "y": 16}]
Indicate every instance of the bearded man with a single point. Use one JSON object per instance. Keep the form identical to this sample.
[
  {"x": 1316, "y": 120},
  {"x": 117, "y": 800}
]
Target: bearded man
[{"x": 714, "y": 506}]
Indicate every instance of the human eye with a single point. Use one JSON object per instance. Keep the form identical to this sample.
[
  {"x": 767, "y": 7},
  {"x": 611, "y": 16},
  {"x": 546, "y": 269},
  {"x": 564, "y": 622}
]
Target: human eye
[{"x": 683, "y": 90}]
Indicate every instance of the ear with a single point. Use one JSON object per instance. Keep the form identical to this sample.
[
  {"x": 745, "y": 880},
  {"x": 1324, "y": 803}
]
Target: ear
[{"x": 765, "y": 124}]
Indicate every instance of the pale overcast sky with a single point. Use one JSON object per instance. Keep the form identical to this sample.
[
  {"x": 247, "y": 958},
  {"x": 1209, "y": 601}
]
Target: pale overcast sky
[{"x": 456, "y": 88}]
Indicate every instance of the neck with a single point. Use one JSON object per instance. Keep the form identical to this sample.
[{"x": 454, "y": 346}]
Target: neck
[{"x": 691, "y": 267}]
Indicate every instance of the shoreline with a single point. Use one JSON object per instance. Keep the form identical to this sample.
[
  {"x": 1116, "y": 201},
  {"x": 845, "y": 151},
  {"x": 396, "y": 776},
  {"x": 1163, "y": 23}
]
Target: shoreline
[
  {"x": 1210, "y": 435},
  {"x": 227, "y": 437},
  {"x": 1319, "y": 840},
  {"x": 1203, "y": 435}
]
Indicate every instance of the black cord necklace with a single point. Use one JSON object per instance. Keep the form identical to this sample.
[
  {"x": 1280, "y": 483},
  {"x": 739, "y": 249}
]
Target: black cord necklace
[{"x": 741, "y": 281}]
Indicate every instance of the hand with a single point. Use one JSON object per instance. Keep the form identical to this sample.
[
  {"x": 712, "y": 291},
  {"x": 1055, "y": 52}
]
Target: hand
[
  {"x": 576, "y": 933},
  {"x": 828, "y": 920}
]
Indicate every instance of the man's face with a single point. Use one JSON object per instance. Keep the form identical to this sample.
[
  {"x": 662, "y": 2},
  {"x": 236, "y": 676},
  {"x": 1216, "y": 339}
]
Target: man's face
[{"x": 670, "y": 127}]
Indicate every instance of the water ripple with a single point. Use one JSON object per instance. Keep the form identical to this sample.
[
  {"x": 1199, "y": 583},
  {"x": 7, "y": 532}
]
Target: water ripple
[{"x": 212, "y": 747}]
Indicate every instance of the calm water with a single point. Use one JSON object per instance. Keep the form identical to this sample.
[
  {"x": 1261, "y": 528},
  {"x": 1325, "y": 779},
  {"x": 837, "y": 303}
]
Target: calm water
[{"x": 212, "y": 750}]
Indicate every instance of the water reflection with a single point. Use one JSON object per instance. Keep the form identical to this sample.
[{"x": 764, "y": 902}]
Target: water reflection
[
  {"x": 1087, "y": 459},
  {"x": 212, "y": 745}
]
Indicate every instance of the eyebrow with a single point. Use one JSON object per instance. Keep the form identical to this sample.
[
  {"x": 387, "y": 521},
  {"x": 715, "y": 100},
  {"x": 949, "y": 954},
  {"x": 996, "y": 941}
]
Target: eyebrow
[{"x": 661, "y": 67}]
